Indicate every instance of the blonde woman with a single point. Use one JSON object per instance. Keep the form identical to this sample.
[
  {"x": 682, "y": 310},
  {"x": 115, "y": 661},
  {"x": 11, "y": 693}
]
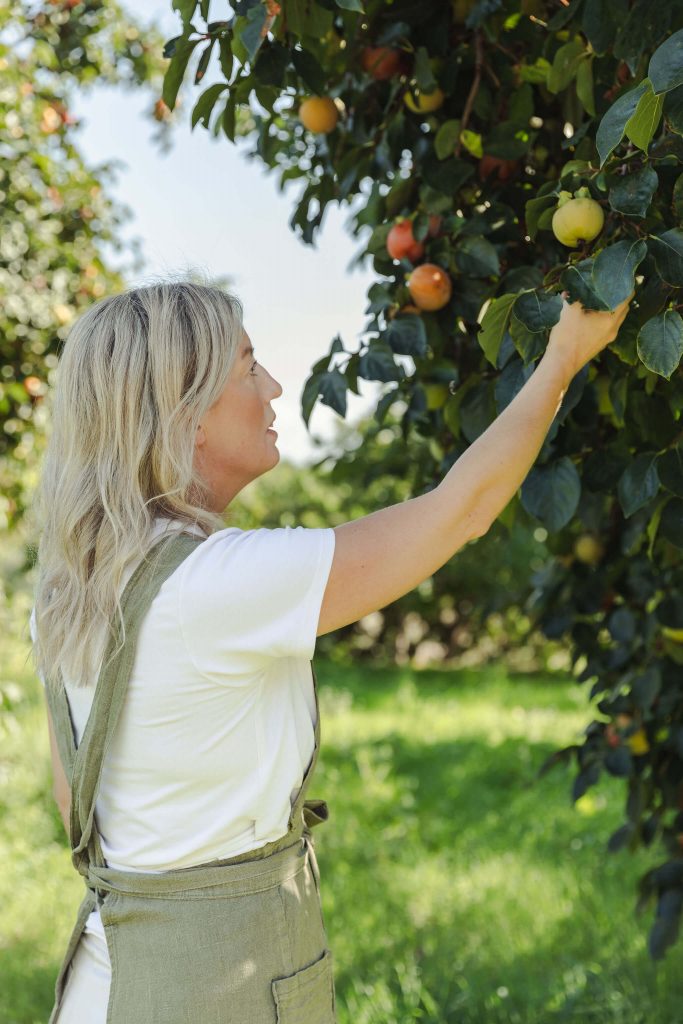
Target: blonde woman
[{"x": 176, "y": 652}]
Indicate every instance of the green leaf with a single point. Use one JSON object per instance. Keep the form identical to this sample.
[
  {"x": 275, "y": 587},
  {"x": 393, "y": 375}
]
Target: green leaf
[
  {"x": 228, "y": 117},
  {"x": 309, "y": 70},
  {"x": 446, "y": 138},
  {"x": 538, "y": 310},
  {"x": 578, "y": 281},
  {"x": 271, "y": 63},
  {"x": 406, "y": 335},
  {"x": 670, "y": 469},
  {"x": 536, "y": 73},
  {"x": 204, "y": 61},
  {"x": 599, "y": 22},
  {"x": 518, "y": 279},
  {"x": 615, "y": 268},
  {"x": 673, "y": 109},
  {"x": 611, "y": 128},
  {"x": 660, "y": 343},
  {"x": 251, "y": 34},
  {"x": 677, "y": 199},
  {"x": 551, "y": 493},
  {"x": 205, "y": 104},
  {"x": 472, "y": 143},
  {"x": 310, "y": 395},
  {"x": 638, "y": 483},
  {"x": 632, "y": 193},
  {"x": 333, "y": 390},
  {"x": 175, "y": 71},
  {"x": 422, "y": 70},
  {"x": 350, "y": 5},
  {"x": 494, "y": 325},
  {"x": 545, "y": 218},
  {"x": 584, "y": 85},
  {"x": 533, "y": 208},
  {"x": 667, "y": 250},
  {"x": 476, "y": 256},
  {"x": 521, "y": 107},
  {"x": 445, "y": 175},
  {"x": 307, "y": 19},
  {"x": 529, "y": 344},
  {"x": 665, "y": 69},
  {"x": 477, "y": 410},
  {"x": 671, "y": 523},
  {"x": 378, "y": 363},
  {"x": 642, "y": 124},
  {"x": 185, "y": 8},
  {"x": 565, "y": 65}
]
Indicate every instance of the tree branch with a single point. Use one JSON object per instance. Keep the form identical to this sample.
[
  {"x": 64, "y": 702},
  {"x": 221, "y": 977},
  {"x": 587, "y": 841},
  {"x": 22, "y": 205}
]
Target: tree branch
[{"x": 474, "y": 88}]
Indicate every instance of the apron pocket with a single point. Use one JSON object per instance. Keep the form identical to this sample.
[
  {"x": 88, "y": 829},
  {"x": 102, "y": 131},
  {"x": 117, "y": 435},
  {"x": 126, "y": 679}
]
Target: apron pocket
[{"x": 307, "y": 997}]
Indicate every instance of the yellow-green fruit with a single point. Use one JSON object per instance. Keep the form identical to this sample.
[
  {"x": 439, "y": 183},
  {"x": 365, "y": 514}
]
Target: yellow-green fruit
[
  {"x": 673, "y": 634},
  {"x": 638, "y": 742},
  {"x": 578, "y": 220},
  {"x": 587, "y": 549},
  {"x": 426, "y": 101},
  {"x": 436, "y": 395}
]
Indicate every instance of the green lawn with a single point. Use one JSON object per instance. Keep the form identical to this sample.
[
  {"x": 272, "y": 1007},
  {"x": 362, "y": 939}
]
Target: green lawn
[{"x": 454, "y": 889}]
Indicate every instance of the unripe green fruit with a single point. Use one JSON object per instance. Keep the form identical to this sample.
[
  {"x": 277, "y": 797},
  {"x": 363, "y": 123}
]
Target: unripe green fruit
[
  {"x": 577, "y": 220},
  {"x": 588, "y": 549}
]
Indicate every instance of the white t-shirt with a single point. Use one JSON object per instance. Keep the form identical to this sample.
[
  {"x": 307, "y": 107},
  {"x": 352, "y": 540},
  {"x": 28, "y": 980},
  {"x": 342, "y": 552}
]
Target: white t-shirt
[{"x": 217, "y": 727}]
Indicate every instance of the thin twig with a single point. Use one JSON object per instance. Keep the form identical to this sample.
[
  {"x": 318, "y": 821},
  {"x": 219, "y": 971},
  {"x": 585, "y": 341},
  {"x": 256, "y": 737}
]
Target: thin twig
[
  {"x": 492, "y": 75},
  {"x": 474, "y": 88}
]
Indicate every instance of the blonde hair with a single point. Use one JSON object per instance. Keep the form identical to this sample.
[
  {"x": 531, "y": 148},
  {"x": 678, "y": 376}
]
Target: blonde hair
[{"x": 137, "y": 373}]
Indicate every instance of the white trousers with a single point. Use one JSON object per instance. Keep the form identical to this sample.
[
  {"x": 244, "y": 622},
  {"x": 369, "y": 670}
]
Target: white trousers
[{"x": 86, "y": 992}]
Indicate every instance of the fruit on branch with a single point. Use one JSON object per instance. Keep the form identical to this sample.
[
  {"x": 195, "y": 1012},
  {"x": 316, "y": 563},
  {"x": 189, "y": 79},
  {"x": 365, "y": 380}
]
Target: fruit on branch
[
  {"x": 381, "y": 62},
  {"x": 577, "y": 220},
  {"x": 319, "y": 114},
  {"x": 501, "y": 168},
  {"x": 426, "y": 101},
  {"x": 430, "y": 286}
]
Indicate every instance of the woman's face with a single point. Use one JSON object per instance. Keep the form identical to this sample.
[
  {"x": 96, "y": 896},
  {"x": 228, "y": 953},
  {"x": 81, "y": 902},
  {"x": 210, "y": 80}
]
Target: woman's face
[{"x": 233, "y": 446}]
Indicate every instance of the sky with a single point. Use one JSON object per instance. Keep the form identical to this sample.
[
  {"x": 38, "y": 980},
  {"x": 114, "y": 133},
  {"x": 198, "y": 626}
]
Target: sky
[{"x": 203, "y": 204}]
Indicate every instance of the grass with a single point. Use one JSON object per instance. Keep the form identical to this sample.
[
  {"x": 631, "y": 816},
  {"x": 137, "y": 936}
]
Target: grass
[{"x": 455, "y": 890}]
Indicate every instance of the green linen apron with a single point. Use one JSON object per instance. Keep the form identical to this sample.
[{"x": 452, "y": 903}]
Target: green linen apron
[{"x": 239, "y": 940}]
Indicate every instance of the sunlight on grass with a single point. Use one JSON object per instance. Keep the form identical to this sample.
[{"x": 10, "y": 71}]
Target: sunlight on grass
[{"x": 457, "y": 887}]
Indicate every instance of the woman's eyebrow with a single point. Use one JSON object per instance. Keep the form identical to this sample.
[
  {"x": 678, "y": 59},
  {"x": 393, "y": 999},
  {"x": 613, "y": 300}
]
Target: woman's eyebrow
[{"x": 249, "y": 350}]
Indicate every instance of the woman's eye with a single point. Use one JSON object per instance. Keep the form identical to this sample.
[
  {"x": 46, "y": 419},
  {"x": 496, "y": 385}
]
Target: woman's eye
[{"x": 255, "y": 363}]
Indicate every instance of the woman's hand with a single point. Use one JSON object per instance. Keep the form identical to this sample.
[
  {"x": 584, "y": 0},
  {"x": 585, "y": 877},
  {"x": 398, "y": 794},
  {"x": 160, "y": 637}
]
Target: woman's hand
[{"x": 580, "y": 334}]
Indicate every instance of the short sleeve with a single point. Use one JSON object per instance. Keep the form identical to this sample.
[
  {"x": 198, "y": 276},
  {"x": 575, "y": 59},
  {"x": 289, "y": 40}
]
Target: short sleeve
[{"x": 247, "y": 596}]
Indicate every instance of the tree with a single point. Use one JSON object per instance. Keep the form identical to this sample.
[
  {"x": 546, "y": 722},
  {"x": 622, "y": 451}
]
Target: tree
[
  {"x": 55, "y": 215},
  {"x": 477, "y": 121}
]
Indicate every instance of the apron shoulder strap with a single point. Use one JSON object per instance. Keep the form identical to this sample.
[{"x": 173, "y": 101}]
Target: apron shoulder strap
[{"x": 157, "y": 565}]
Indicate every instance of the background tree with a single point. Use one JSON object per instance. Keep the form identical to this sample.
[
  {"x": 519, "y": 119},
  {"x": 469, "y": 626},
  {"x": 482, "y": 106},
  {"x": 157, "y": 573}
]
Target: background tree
[
  {"x": 56, "y": 218},
  {"x": 531, "y": 147}
]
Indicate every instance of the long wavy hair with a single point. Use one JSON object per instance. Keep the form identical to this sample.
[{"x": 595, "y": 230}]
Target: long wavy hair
[{"x": 137, "y": 373}]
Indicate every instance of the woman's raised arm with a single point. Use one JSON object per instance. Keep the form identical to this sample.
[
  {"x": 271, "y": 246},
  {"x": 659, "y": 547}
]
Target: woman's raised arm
[{"x": 382, "y": 556}]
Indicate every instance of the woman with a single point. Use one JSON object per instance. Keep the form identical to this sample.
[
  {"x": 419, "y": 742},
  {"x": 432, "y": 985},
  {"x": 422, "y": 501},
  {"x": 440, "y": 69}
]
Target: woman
[{"x": 176, "y": 653}]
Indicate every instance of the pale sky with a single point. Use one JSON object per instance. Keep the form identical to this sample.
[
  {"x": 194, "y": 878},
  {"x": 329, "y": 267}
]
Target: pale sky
[{"x": 204, "y": 204}]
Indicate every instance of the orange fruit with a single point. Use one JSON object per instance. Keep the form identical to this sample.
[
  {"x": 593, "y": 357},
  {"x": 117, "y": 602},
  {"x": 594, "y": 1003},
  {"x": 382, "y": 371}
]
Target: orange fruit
[
  {"x": 401, "y": 242},
  {"x": 319, "y": 114},
  {"x": 381, "y": 61},
  {"x": 430, "y": 286},
  {"x": 503, "y": 169},
  {"x": 34, "y": 386}
]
